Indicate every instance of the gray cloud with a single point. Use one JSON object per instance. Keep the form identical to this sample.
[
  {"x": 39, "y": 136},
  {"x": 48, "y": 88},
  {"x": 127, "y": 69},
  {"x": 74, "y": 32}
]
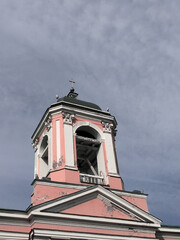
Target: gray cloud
[{"x": 123, "y": 54}]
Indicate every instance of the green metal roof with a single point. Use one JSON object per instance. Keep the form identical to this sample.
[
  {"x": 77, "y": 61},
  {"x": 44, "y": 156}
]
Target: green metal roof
[{"x": 72, "y": 100}]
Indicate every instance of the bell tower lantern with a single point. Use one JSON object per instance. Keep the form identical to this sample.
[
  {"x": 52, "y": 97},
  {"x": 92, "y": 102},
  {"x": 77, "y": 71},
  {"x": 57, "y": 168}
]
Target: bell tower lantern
[{"x": 74, "y": 147}]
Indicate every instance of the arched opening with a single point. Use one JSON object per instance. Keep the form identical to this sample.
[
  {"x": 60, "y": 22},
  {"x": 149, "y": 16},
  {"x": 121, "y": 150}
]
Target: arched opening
[
  {"x": 87, "y": 147},
  {"x": 44, "y": 157}
]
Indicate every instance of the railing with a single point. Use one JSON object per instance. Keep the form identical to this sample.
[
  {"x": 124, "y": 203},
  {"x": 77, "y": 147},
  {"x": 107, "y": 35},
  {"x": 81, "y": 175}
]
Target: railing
[{"x": 86, "y": 178}]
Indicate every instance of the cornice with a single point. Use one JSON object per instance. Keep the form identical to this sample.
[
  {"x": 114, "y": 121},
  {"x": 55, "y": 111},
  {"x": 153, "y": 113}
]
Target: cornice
[
  {"x": 79, "y": 235},
  {"x": 74, "y": 109}
]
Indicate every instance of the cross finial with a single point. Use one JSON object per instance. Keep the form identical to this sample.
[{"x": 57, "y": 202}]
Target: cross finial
[
  {"x": 72, "y": 83},
  {"x": 72, "y": 94}
]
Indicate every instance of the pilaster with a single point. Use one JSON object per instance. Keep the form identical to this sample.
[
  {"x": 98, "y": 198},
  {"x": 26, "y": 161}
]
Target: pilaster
[
  {"x": 111, "y": 162},
  {"x": 68, "y": 136}
]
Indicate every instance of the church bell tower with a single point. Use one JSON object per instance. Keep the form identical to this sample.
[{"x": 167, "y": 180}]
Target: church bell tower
[
  {"x": 77, "y": 190},
  {"x": 74, "y": 148}
]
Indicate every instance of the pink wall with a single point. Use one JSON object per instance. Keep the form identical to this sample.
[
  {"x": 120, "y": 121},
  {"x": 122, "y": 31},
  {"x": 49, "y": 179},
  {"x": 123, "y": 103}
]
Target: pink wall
[
  {"x": 43, "y": 193},
  {"x": 96, "y": 207},
  {"x": 139, "y": 202}
]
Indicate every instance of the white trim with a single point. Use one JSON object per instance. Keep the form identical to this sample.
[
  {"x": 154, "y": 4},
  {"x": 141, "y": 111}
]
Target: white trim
[
  {"x": 169, "y": 229},
  {"x": 55, "y": 110},
  {"x": 61, "y": 185},
  {"x": 44, "y": 167},
  {"x": 95, "y": 219},
  {"x": 118, "y": 200},
  {"x": 111, "y": 162},
  {"x": 36, "y": 163},
  {"x": 89, "y": 124},
  {"x": 81, "y": 113},
  {"x": 13, "y": 235},
  {"x": 58, "y": 143},
  {"x": 14, "y": 222},
  {"x": 85, "y": 112},
  {"x": 94, "y": 225},
  {"x": 71, "y": 168},
  {"x": 51, "y": 149},
  {"x": 13, "y": 215},
  {"x": 81, "y": 187},
  {"x": 128, "y": 194},
  {"x": 111, "y": 174},
  {"x": 76, "y": 235},
  {"x": 69, "y": 145}
]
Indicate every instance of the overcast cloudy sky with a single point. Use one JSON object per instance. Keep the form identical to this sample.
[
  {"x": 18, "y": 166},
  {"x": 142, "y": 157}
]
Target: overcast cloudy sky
[{"x": 123, "y": 54}]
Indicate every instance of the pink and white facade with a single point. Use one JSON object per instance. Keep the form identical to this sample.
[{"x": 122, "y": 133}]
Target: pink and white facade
[{"x": 78, "y": 192}]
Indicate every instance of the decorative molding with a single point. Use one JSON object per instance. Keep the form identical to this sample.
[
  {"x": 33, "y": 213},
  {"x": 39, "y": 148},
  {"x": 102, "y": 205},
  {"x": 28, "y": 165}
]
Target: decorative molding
[
  {"x": 68, "y": 118},
  {"x": 60, "y": 185},
  {"x": 110, "y": 207},
  {"x": 35, "y": 143},
  {"x": 89, "y": 124},
  {"x": 146, "y": 218},
  {"x": 56, "y": 234},
  {"x": 85, "y": 113},
  {"x": 107, "y": 127},
  {"x": 104, "y": 200},
  {"x": 13, "y": 235},
  {"x": 113, "y": 174},
  {"x": 48, "y": 123}
]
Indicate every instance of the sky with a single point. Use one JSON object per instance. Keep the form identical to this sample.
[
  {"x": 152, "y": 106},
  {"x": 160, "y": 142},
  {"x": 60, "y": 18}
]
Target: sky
[{"x": 122, "y": 54}]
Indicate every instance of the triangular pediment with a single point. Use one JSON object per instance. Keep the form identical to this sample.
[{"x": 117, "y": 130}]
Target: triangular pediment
[
  {"x": 97, "y": 202},
  {"x": 97, "y": 206}
]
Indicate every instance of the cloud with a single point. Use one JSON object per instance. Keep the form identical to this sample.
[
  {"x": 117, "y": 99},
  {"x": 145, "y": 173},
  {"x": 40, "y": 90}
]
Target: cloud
[{"x": 123, "y": 55}]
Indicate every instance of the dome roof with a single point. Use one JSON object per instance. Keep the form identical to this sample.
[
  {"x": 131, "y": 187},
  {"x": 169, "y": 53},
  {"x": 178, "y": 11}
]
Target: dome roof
[{"x": 72, "y": 98}]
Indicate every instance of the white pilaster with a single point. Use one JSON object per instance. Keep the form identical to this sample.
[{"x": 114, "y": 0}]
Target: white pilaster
[
  {"x": 35, "y": 146},
  {"x": 68, "y": 135},
  {"x": 58, "y": 140},
  {"x": 111, "y": 161},
  {"x": 50, "y": 149}
]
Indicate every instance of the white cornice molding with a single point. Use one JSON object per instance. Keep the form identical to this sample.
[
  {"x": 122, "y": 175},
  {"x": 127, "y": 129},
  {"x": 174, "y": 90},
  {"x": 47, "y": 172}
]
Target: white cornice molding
[
  {"x": 114, "y": 198},
  {"x": 169, "y": 230},
  {"x": 13, "y": 216},
  {"x": 4, "y": 235},
  {"x": 93, "y": 225},
  {"x": 129, "y": 194},
  {"x": 77, "y": 235},
  {"x": 60, "y": 185},
  {"x": 97, "y": 220},
  {"x": 52, "y": 110},
  {"x": 81, "y": 187},
  {"x": 147, "y": 219}
]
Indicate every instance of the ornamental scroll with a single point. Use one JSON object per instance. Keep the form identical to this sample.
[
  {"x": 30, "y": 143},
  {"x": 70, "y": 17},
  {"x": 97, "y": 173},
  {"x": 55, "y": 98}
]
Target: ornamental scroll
[
  {"x": 107, "y": 127},
  {"x": 48, "y": 123},
  {"x": 68, "y": 118},
  {"x": 35, "y": 143}
]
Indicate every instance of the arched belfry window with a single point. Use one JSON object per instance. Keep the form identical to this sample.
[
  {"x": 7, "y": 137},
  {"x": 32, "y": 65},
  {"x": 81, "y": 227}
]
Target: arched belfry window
[
  {"x": 44, "y": 149},
  {"x": 87, "y": 147},
  {"x": 44, "y": 157}
]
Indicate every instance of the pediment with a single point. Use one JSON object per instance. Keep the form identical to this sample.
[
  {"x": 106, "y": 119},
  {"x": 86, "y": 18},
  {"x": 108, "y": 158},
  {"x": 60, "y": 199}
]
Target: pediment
[
  {"x": 97, "y": 202},
  {"x": 97, "y": 206}
]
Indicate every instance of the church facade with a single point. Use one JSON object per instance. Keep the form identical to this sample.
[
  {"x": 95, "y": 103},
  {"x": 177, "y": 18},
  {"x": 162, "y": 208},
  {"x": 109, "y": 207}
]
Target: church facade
[{"x": 77, "y": 189}]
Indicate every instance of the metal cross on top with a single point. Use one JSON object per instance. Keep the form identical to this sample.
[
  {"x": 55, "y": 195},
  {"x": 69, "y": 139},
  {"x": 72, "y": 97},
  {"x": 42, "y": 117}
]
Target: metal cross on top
[{"x": 72, "y": 83}]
